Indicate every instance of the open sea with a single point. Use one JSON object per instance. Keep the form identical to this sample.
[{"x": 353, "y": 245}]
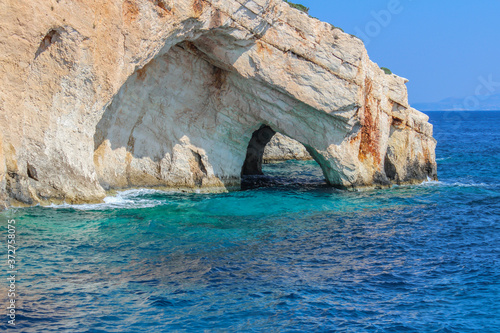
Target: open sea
[{"x": 286, "y": 254}]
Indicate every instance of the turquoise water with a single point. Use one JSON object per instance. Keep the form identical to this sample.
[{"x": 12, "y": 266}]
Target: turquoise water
[{"x": 288, "y": 254}]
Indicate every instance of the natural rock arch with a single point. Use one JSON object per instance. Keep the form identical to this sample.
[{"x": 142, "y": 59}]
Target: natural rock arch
[
  {"x": 83, "y": 102},
  {"x": 187, "y": 120}
]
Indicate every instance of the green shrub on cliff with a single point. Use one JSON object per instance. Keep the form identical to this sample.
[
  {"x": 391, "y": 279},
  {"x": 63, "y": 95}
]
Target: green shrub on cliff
[
  {"x": 386, "y": 70},
  {"x": 298, "y": 6}
]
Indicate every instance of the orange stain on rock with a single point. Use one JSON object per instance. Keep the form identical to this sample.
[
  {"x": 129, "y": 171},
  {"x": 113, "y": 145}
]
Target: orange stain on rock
[
  {"x": 198, "y": 7},
  {"x": 130, "y": 11},
  {"x": 370, "y": 131},
  {"x": 163, "y": 8},
  {"x": 261, "y": 47},
  {"x": 142, "y": 74}
]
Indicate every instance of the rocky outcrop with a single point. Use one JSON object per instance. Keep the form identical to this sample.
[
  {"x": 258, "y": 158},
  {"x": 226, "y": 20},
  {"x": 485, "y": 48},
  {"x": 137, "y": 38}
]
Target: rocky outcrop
[
  {"x": 168, "y": 93},
  {"x": 283, "y": 148}
]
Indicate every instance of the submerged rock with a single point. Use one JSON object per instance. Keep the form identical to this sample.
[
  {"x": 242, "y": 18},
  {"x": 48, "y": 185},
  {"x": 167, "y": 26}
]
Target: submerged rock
[{"x": 139, "y": 93}]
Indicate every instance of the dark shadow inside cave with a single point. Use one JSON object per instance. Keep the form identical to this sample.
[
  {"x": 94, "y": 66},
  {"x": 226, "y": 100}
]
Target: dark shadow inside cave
[
  {"x": 292, "y": 166},
  {"x": 255, "y": 151}
]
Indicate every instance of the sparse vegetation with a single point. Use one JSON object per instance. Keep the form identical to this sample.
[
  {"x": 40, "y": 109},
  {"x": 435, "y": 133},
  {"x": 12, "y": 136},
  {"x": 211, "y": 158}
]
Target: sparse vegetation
[
  {"x": 298, "y": 6},
  {"x": 334, "y": 27},
  {"x": 306, "y": 10},
  {"x": 386, "y": 70}
]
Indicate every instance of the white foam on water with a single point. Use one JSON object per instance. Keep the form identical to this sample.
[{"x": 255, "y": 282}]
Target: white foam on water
[
  {"x": 430, "y": 182},
  {"x": 123, "y": 199},
  {"x": 469, "y": 185}
]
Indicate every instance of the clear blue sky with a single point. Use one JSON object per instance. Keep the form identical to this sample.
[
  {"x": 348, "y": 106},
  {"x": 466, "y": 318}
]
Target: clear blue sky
[{"x": 441, "y": 46}]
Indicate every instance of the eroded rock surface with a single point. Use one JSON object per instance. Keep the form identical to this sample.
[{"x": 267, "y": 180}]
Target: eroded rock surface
[
  {"x": 101, "y": 95},
  {"x": 283, "y": 148}
]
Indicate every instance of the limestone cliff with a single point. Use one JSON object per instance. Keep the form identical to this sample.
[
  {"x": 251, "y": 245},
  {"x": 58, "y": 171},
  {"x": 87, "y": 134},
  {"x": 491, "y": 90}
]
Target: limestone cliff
[{"x": 101, "y": 95}]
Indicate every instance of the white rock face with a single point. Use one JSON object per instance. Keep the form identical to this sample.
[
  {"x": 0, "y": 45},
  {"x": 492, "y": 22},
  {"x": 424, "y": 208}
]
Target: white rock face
[
  {"x": 283, "y": 148},
  {"x": 169, "y": 93}
]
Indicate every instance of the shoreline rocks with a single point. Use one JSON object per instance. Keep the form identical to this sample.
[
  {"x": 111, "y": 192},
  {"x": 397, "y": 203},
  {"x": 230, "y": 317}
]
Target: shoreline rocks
[{"x": 169, "y": 93}]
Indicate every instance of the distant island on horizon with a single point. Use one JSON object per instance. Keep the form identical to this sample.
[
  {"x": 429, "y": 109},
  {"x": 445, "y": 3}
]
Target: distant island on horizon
[{"x": 470, "y": 103}]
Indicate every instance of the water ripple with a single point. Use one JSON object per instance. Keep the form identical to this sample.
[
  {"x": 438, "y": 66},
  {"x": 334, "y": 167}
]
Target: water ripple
[{"x": 278, "y": 256}]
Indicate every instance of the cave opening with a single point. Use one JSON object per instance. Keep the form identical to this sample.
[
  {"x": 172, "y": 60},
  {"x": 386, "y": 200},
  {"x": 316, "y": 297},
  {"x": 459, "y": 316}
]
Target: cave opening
[
  {"x": 165, "y": 129},
  {"x": 273, "y": 158},
  {"x": 255, "y": 151}
]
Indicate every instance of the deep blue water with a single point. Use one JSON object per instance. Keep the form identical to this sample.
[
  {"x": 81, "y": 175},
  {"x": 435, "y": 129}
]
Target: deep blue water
[{"x": 292, "y": 256}]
